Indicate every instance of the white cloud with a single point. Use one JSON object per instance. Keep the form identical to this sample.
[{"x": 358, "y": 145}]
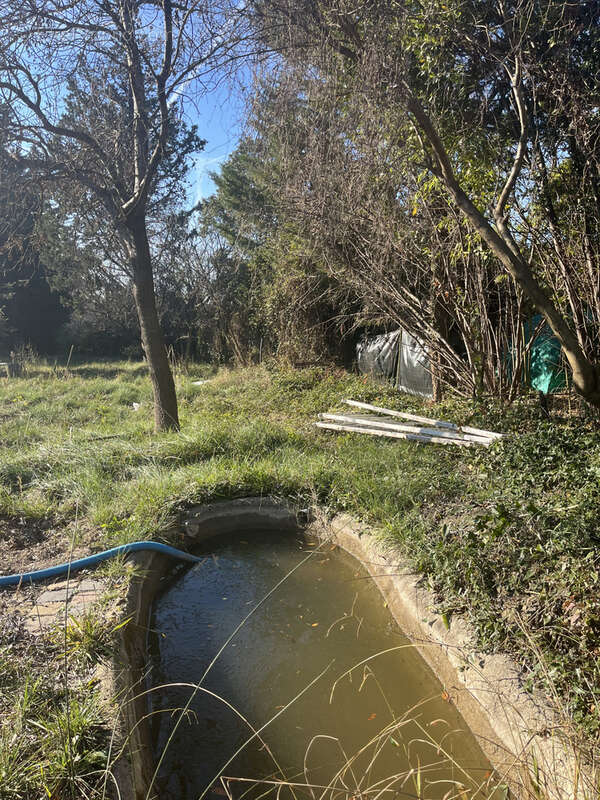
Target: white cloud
[{"x": 202, "y": 185}]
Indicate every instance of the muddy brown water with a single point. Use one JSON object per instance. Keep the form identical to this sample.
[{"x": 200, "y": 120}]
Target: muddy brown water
[{"x": 346, "y": 707}]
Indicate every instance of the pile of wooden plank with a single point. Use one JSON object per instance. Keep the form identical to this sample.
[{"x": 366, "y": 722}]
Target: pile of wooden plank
[{"x": 384, "y": 422}]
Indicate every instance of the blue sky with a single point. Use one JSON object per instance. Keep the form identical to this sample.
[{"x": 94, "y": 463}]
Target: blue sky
[{"x": 219, "y": 116}]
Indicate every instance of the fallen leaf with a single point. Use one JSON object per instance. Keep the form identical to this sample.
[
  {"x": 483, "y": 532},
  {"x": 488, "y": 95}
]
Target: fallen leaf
[
  {"x": 445, "y": 696},
  {"x": 372, "y": 717},
  {"x": 314, "y": 625}
]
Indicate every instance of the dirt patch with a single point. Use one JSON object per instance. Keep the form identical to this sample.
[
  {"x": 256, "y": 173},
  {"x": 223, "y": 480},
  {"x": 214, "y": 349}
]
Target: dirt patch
[
  {"x": 32, "y": 544},
  {"x": 12, "y": 630}
]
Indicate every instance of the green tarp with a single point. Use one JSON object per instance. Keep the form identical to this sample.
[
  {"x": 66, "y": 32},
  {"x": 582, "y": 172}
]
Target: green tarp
[{"x": 544, "y": 370}]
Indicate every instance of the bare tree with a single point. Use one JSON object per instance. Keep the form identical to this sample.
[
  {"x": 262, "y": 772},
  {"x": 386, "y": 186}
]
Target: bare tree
[{"x": 134, "y": 63}]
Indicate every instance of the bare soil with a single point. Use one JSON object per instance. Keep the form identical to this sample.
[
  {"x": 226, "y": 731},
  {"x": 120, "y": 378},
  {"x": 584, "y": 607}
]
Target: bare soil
[{"x": 32, "y": 544}]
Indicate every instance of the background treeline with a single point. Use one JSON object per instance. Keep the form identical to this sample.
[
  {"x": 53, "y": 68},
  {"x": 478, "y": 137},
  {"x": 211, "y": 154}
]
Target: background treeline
[{"x": 335, "y": 215}]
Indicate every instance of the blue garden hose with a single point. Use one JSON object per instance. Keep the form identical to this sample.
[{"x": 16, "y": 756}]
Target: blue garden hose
[{"x": 90, "y": 561}]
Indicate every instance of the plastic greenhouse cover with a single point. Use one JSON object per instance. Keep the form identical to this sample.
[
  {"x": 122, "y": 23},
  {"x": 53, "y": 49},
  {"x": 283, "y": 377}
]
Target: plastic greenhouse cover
[
  {"x": 397, "y": 357},
  {"x": 414, "y": 373},
  {"x": 377, "y": 355}
]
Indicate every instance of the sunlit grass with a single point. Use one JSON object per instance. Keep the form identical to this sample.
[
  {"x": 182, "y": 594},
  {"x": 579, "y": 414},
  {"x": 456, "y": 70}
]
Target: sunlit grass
[{"x": 76, "y": 441}]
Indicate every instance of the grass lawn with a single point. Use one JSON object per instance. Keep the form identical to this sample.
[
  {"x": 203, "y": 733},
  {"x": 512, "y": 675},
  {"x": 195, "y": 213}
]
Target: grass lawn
[{"x": 508, "y": 536}]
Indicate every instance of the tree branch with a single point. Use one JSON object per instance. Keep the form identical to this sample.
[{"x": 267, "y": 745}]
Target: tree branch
[
  {"x": 509, "y": 185},
  {"x": 35, "y": 106}
]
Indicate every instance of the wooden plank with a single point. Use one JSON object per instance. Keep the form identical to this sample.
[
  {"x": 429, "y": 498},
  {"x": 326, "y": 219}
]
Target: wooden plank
[
  {"x": 438, "y": 423},
  {"x": 413, "y": 437},
  {"x": 378, "y": 422},
  {"x": 396, "y": 434},
  {"x": 476, "y": 437},
  {"x": 391, "y": 413}
]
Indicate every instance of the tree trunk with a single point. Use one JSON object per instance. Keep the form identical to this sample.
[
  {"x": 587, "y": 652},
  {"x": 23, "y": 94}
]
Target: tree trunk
[{"x": 165, "y": 399}]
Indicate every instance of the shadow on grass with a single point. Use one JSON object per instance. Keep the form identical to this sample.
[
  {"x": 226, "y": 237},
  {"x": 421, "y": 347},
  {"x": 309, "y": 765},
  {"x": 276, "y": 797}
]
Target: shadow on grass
[{"x": 109, "y": 370}]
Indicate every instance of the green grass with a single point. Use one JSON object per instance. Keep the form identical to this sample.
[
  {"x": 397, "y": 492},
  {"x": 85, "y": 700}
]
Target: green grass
[
  {"x": 75, "y": 443},
  {"x": 507, "y": 536},
  {"x": 53, "y": 732}
]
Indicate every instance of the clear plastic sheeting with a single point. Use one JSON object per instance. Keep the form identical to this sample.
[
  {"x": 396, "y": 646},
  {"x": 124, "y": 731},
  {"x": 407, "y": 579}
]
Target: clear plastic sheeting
[
  {"x": 414, "y": 372},
  {"x": 396, "y": 357},
  {"x": 377, "y": 356}
]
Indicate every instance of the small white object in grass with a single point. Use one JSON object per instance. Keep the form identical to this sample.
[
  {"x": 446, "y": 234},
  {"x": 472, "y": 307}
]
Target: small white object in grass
[
  {"x": 136, "y": 406},
  {"x": 198, "y": 383}
]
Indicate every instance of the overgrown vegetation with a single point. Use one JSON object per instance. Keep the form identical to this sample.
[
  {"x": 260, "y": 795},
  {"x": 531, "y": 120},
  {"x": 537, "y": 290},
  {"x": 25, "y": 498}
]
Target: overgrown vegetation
[
  {"x": 507, "y": 536},
  {"x": 421, "y": 162},
  {"x": 53, "y": 731}
]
